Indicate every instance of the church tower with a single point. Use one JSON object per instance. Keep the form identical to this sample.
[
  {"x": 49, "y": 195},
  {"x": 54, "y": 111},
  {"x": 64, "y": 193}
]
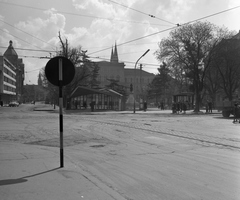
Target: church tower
[{"x": 114, "y": 54}]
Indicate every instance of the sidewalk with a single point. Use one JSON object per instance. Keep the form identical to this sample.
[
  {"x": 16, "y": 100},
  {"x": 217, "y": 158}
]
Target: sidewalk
[
  {"x": 50, "y": 108},
  {"x": 30, "y": 172}
]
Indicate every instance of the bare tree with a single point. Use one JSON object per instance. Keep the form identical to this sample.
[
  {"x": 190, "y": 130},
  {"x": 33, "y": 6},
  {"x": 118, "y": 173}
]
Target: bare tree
[
  {"x": 190, "y": 47},
  {"x": 86, "y": 71}
]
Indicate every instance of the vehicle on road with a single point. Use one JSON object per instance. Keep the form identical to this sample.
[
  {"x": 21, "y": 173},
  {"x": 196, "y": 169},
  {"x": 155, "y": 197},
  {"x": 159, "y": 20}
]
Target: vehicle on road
[
  {"x": 13, "y": 104},
  {"x": 227, "y": 107},
  {"x": 184, "y": 101}
]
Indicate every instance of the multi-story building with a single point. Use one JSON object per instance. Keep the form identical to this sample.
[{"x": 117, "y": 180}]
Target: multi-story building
[
  {"x": 116, "y": 70},
  {"x": 110, "y": 99},
  {"x": 12, "y": 82},
  {"x": 7, "y": 81}
]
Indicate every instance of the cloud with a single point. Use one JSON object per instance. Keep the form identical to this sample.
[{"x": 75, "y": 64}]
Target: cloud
[
  {"x": 5, "y": 37},
  {"x": 95, "y": 7},
  {"x": 102, "y": 31},
  {"x": 174, "y": 11},
  {"x": 45, "y": 29}
]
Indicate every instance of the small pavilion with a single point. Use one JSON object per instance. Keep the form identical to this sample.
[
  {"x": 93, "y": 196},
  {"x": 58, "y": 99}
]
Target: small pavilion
[{"x": 103, "y": 99}]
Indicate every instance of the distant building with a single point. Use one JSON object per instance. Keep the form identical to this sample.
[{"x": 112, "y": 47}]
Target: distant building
[
  {"x": 111, "y": 70},
  {"x": 116, "y": 70},
  {"x": 109, "y": 99},
  {"x": 11, "y": 75},
  {"x": 231, "y": 49}
]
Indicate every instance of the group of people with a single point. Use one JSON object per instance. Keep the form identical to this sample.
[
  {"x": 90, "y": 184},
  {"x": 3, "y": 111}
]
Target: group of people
[
  {"x": 209, "y": 106},
  {"x": 179, "y": 107},
  {"x": 92, "y": 104}
]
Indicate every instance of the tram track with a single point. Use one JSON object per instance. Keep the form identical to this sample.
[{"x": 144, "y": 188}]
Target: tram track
[{"x": 149, "y": 128}]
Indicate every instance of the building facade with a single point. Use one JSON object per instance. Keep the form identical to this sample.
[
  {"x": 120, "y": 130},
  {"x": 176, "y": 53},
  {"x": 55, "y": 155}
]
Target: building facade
[
  {"x": 116, "y": 70},
  {"x": 11, "y": 56},
  {"x": 8, "y": 81}
]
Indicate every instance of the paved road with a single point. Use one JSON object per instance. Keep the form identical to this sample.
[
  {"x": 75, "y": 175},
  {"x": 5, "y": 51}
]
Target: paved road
[{"x": 152, "y": 155}]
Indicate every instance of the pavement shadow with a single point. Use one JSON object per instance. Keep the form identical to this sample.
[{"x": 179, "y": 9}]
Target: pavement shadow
[
  {"x": 226, "y": 118},
  {"x": 23, "y": 179},
  {"x": 12, "y": 181}
]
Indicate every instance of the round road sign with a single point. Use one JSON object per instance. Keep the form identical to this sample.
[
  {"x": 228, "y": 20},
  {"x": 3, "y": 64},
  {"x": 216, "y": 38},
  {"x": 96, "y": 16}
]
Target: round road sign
[{"x": 52, "y": 71}]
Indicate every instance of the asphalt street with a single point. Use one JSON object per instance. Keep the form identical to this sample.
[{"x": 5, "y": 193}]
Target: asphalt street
[{"x": 118, "y": 155}]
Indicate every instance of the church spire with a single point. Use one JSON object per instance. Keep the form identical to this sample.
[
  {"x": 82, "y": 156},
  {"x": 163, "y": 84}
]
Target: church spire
[
  {"x": 111, "y": 59},
  {"x": 114, "y": 54}
]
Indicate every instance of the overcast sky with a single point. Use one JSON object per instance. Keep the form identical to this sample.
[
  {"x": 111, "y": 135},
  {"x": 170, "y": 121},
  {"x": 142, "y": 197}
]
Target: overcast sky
[{"x": 96, "y": 25}]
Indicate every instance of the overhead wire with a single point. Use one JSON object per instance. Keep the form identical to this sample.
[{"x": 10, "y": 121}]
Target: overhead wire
[
  {"x": 217, "y": 13},
  {"x": 135, "y": 38},
  {"x": 80, "y": 15},
  {"x": 177, "y": 25},
  {"x": 20, "y": 39},
  {"x": 124, "y": 61},
  {"x": 168, "y": 29},
  {"x": 23, "y": 49},
  {"x": 27, "y": 33},
  {"x": 16, "y": 37},
  {"x": 152, "y": 16}
]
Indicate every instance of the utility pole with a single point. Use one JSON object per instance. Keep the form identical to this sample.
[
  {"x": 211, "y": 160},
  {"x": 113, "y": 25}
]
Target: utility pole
[
  {"x": 141, "y": 92},
  {"x": 134, "y": 89}
]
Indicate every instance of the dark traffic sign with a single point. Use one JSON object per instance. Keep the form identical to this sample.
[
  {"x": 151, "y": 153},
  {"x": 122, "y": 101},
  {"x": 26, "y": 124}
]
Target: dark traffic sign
[{"x": 52, "y": 71}]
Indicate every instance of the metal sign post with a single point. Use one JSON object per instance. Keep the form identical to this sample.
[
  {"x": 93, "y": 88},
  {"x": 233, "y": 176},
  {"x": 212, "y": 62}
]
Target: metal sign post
[
  {"x": 61, "y": 113},
  {"x": 60, "y": 71}
]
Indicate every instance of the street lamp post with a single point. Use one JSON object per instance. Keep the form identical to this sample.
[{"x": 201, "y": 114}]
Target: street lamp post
[{"x": 134, "y": 87}]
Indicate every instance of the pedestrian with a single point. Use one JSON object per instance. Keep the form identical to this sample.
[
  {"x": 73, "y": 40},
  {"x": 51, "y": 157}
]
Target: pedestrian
[
  {"x": 209, "y": 106},
  {"x": 173, "y": 107},
  {"x": 162, "y": 106},
  {"x": 184, "y": 107},
  {"x": 178, "y": 107},
  {"x": 145, "y": 106},
  {"x": 235, "y": 113},
  {"x": 92, "y": 106},
  {"x": 85, "y": 104},
  {"x": 181, "y": 106}
]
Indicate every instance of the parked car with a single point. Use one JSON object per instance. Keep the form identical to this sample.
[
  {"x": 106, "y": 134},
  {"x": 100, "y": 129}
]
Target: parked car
[{"x": 13, "y": 104}]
